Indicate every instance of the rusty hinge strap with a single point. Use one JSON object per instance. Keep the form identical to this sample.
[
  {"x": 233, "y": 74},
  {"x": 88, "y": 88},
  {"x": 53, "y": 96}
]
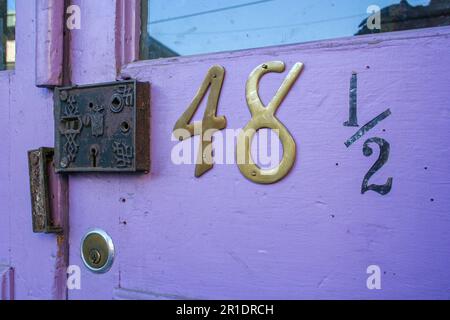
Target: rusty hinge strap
[{"x": 40, "y": 163}]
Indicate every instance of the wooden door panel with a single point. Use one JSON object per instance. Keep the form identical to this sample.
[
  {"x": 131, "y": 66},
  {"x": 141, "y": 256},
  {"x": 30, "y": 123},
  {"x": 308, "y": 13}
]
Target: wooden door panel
[
  {"x": 314, "y": 234},
  {"x": 89, "y": 192},
  {"x": 26, "y": 118},
  {"x": 4, "y": 170}
]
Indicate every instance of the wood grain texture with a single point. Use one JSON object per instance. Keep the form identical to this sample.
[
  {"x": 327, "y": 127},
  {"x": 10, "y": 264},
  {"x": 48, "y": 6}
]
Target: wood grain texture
[
  {"x": 125, "y": 294},
  {"x": 128, "y": 32},
  {"x": 5, "y": 146},
  {"x": 28, "y": 127},
  {"x": 313, "y": 235},
  {"x": 6, "y": 283},
  {"x": 59, "y": 194},
  {"x": 93, "y": 64},
  {"x": 93, "y": 47}
]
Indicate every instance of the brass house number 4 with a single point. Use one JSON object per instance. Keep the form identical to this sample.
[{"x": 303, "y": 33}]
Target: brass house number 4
[{"x": 263, "y": 117}]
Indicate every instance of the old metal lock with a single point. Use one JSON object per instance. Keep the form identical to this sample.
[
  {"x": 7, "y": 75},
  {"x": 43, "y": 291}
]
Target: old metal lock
[
  {"x": 97, "y": 251},
  {"x": 103, "y": 127}
]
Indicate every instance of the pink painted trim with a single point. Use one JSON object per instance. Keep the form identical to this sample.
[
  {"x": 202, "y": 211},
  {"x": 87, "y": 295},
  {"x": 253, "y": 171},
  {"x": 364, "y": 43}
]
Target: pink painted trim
[
  {"x": 128, "y": 32},
  {"x": 49, "y": 42},
  {"x": 6, "y": 283}
]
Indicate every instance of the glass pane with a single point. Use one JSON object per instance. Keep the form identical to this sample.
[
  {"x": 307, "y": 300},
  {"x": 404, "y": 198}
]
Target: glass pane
[
  {"x": 188, "y": 27},
  {"x": 8, "y": 34}
]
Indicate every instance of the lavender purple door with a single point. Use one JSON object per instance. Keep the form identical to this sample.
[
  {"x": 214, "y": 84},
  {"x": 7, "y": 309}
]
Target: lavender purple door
[
  {"x": 28, "y": 262},
  {"x": 313, "y": 235}
]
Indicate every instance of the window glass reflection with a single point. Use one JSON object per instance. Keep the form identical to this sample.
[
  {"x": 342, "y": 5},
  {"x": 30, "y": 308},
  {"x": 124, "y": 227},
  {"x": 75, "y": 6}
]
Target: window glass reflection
[
  {"x": 8, "y": 34},
  {"x": 188, "y": 27}
]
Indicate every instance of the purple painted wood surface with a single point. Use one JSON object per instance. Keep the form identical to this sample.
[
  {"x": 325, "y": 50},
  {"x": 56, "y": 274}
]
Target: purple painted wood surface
[
  {"x": 26, "y": 116},
  {"x": 94, "y": 63},
  {"x": 91, "y": 64},
  {"x": 59, "y": 194},
  {"x": 6, "y": 283},
  {"x": 49, "y": 42},
  {"x": 128, "y": 32},
  {"x": 5, "y": 145},
  {"x": 313, "y": 235}
]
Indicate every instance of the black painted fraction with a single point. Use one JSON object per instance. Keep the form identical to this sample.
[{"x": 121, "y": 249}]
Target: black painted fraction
[{"x": 383, "y": 145}]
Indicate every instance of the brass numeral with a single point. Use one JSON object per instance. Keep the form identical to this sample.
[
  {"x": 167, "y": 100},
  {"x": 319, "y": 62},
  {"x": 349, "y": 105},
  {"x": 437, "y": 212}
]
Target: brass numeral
[
  {"x": 210, "y": 123},
  {"x": 264, "y": 117}
]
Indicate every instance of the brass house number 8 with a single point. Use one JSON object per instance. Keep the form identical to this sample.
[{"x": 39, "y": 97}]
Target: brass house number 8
[{"x": 262, "y": 117}]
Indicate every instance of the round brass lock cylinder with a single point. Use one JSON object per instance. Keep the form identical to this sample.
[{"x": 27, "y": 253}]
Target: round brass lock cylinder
[{"x": 97, "y": 251}]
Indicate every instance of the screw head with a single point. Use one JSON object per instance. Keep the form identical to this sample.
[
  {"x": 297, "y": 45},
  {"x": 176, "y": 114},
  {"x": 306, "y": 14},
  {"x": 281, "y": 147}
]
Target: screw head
[
  {"x": 64, "y": 162},
  {"x": 63, "y": 95}
]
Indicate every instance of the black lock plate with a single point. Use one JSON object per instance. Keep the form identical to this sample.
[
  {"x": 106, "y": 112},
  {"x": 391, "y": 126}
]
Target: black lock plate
[{"x": 103, "y": 127}]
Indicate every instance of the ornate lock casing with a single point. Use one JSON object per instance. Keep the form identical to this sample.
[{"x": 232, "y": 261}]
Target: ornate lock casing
[{"x": 103, "y": 127}]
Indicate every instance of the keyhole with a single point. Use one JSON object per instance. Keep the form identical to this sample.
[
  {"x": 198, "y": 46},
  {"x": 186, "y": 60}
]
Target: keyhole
[
  {"x": 95, "y": 256},
  {"x": 94, "y": 154},
  {"x": 116, "y": 102},
  {"x": 125, "y": 127}
]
